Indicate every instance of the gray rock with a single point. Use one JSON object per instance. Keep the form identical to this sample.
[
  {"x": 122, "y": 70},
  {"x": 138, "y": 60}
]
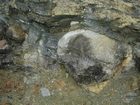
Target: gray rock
[
  {"x": 50, "y": 48},
  {"x": 37, "y": 18},
  {"x": 42, "y": 8},
  {"x": 2, "y": 28},
  {"x": 33, "y": 36},
  {"x": 22, "y": 7},
  {"x": 90, "y": 56},
  {"x": 38, "y": 47},
  {"x": 8, "y": 59},
  {"x": 21, "y": 1},
  {"x": 40, "y": 0},
  {"x": 45, "y": 92},
  {"x": 129, "y": 97},
  {"x": 4, "y": 47},
  {"x": 137, "y": 55}
]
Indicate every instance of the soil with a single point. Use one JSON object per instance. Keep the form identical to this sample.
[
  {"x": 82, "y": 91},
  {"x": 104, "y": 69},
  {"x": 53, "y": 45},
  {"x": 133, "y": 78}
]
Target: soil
[{"x": 22, "y": 87}]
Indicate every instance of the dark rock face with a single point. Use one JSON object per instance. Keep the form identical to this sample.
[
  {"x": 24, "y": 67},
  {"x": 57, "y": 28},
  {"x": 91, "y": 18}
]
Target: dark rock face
[
  {"x": 3, "y": 27},
  {"x": 7, "y": 59},
  {"x": 42, "y": 8},
  {"x": 137, "y": 55},
  {"x": 83, "y": 68},
  {"x": 21, "y": 1},
  {"x": 89, "y": 56},
  {"x": 137, "y": 59},
  {"x": 10, "y": 39},
  {"x": 16, "y": 34},
  {"x": 4, "y": 47},
  {"x": 5, "y": 56}
]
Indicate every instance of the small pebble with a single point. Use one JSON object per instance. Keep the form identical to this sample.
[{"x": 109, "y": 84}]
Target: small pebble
[
  {"x": 129, "y": 97},
  {"x": 45, "y": 92}
]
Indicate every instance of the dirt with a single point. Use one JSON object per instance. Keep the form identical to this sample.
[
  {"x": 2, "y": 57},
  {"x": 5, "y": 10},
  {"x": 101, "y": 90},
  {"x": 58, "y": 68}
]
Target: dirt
[{"x": 23, "y": 88}]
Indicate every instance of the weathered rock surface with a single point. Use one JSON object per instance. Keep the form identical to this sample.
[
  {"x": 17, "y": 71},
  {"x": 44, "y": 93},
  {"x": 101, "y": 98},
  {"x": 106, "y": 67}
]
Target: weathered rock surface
[
  {"x": 4, "y": 47},
  {"x": 117, "y": 16},
  {"x": 5, "y": 56},
  {"x": 117, "y": 19},
  {"x": 137, "y": 55},
  {"x": 42, "y": 8},
  {"x": 90, "y": 56},
  {"x": 16, "y": 34},
  {"x": 2, "y": 28},
  {"x": 39, "y": 48},
  {"x": 35, "y": 26}
]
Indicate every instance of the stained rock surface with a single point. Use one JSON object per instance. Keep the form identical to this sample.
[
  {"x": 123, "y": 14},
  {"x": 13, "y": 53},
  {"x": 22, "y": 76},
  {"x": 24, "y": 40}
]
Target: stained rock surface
[
  {"x": 16, "y": 34},
  {"x": 90, "y": 56}
]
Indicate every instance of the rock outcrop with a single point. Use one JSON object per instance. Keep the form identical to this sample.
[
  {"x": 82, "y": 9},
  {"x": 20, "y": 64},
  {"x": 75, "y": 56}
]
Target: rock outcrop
[{"x": 32, "y": 28}]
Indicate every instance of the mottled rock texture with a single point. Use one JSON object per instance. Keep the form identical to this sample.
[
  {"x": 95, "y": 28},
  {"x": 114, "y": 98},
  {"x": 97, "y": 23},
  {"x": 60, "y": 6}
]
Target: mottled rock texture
[
  {"x": 16, "y": 34},
  {"x": 137, "y": 55},
  {"x": 90, "y": 56},
  {"x": 3, "y": 27},
  {"x": 33, "y": 28}
]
